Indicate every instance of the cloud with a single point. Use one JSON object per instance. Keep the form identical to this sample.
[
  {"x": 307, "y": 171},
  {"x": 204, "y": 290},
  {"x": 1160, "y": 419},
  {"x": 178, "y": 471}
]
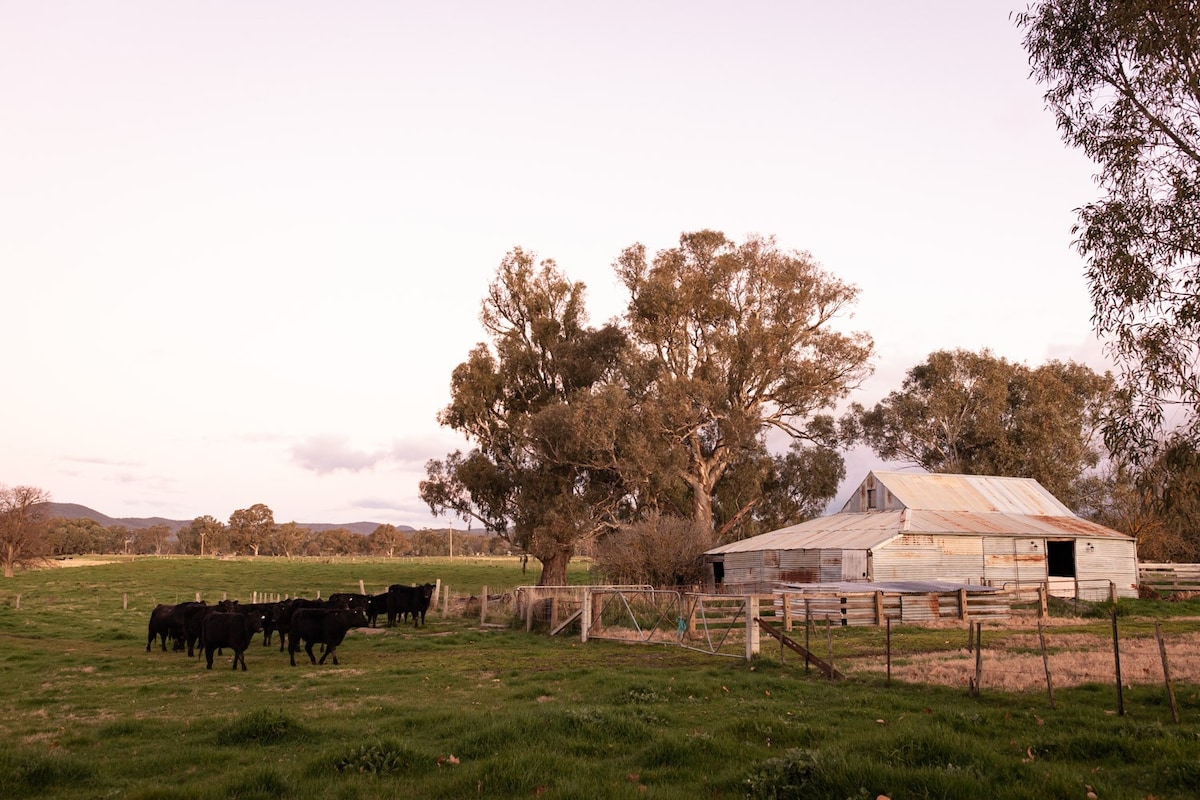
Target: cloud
[{"x": 330, "y": 452}]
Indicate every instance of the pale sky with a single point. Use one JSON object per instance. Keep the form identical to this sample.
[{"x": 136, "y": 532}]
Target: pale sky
[{"x": 243, "y": 244}]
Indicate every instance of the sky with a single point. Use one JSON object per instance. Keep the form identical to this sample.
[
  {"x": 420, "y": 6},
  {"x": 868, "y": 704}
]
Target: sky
[{"x": 244, "y": 244}]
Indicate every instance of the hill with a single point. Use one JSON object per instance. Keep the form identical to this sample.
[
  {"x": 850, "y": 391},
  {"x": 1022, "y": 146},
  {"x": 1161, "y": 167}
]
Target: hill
[{"x": 76, "y": 511}]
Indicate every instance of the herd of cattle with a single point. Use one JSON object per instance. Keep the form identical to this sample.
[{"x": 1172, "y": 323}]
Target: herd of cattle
[{"x": 199, "y": 627}]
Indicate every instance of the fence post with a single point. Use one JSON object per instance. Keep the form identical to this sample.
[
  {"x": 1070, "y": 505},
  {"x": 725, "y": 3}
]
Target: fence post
[
  {"x": 1043, "y": 602},
  {"x": 977, "y": 681},
  {"x": 829, "y": 643},
  {"x": 807, "y": 632},
  {"x": 1046, "y": 664},
  {"x": 483, "y": 600},
  {"x": 787, "y": 613},
  {"x": 1112, "y": 592},
  {"x": 962, "y": 604},
  {"x": 1162, "y": 649},
  {"x": 362, "y": 589},
  {"x": 437, "y": 593},
  {"x": 879, "y": 615},
  {"x": 125, "y": 602},
  {"x": 585, "y": 616},
  {"x": 529, "y": 610},
  {"x": 1117, "y": 661},
  {"x": 751, "y": 626}
]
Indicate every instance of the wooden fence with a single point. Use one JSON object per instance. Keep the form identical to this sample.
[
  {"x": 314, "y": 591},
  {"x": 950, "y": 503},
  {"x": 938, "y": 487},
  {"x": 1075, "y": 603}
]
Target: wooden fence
[
  {"x": 1169, "y": 578},
  {"x": 875, "y": 608}
]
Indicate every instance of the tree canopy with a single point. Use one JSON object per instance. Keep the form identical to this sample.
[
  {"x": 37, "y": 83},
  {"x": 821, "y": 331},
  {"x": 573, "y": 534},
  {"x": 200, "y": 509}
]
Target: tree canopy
[
  {"x": 581, "y": 431},
  {"x": 1123, "y": 80},
  {"x": 976, "y": 414},
  {"x": 23, "y": 538}
]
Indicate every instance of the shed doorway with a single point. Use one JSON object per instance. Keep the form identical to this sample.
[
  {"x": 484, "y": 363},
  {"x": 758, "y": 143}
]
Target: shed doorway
[{"x": 1060, "y": 559}]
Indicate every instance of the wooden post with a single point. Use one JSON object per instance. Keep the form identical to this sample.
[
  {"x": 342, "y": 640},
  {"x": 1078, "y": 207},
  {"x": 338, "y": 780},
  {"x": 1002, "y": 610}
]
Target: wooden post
[
  {"x": 879, "y": 608},
  {"x": 554, "y": 611},
  {"x": 1162, "y": 650},
  {"x": 437, "y": 593},
  {"x": 962, "y": 604},
  {"x": 1112, "y": 592},
  {"x": 125, "y": 602},
  {"x": 362, "y": 589},
  {"x": 889, "y": 651},
  {"x": 1043, "y": 602},
  {"x": 18, "y": 606},
  {"x": 529, "y": 610},
  {"x": 751, "y": 627},
  {"x": 483, "y": 593},
  {"x": 787, "y": 619},
  {"x": 585, "y": 616},
  {"x": 1046, "y": 664},
  {"x": 1117, "y": 661},
  {"x": 197, "y": 597},
  {"x": 445, "y": 592}
]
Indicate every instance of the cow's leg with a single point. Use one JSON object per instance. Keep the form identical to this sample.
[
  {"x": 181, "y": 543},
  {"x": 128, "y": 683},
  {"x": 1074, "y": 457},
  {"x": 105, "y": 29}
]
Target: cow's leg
[
  {"x": 308, "y": 649},
  {"x": 208, "y": 654}
]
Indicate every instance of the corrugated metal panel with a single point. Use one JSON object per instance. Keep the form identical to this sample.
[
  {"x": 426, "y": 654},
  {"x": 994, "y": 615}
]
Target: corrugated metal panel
[
  {"x": 831, "y": 565},
  {"x": 852, "y": 531},
  {"x": 1000, "y": 524},
  {"x": 1106, "y": 559},
  {"x": 977, "y": 493},
  {"x": 800, "y": 566},
  {"x": 923, "y": 556},
  {"x": 1013, "y": 560}
]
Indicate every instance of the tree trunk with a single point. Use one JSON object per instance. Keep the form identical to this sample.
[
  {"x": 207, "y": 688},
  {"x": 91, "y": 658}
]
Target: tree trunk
[{"x": 554, "y": 567}]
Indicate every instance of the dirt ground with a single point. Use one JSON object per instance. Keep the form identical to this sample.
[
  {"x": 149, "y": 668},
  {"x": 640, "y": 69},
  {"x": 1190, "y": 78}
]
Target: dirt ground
[{"x": 1012, "y": 660}]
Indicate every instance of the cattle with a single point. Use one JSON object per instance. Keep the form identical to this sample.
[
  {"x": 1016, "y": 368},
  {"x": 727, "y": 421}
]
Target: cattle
[
  {"x": 160, "y": 625},
  {"x": 376, "y": 604},
  {"x": 405, "y": 600},
  {"x": 325, "y": 626},
  {"x": 349, "y": 600},
  {"x": 288, "y": 608},
  {"x": 193, "y": 621},
  {"x": 234, "y": 629}
]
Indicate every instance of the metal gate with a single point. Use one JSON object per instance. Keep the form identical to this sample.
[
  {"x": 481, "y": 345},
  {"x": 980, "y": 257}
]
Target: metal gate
[{"x": 713, "y": 624}]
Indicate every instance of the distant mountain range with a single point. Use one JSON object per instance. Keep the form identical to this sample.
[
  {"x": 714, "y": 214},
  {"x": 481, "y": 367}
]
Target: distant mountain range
[{"x": 76, "y": 511}]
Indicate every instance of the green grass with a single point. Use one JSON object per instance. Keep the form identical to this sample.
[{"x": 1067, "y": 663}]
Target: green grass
[{"x": 456, "y": 711}]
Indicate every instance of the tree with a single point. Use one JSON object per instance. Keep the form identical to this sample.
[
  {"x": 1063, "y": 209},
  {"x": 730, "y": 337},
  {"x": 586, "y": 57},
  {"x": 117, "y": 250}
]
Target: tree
[
  {"x": 388, "y": 540},
  {"x": 733, "y": 340},
  {"x": 204, "y": 535},
  {"x": 976, "y": 414},
  {"x": 799, "y": 486},
  {"x": 251, "y": 528},
  {"x": 290, "y": 539},
  {"x": 1123, "y": 80},
  {"x": 152, "y": 539},
  {"x": 22, "y": 527},
  {"x": 75, "y": 536},
  {"x": 525, "y": 402}
]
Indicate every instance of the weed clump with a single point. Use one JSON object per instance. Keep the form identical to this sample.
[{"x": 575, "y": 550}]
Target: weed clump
[
  {"x": 259, "y": 727},
  {"x": 378, "y": 758}
]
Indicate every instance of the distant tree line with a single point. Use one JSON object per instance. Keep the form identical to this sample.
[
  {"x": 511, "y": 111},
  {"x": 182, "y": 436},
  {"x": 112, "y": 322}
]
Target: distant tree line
[{"x": 249, "y": 532}]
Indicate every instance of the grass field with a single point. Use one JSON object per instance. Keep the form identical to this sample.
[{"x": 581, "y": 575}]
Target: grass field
[{"x": 455, "y": 710}]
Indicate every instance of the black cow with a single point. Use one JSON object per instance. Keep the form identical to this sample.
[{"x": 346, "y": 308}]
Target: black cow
[
  {"x": 349, "y": 600},
  {"x": 376, "y": 604},
  {"x": 160, "y": 625},
  {"x": 193, "y": 622},
  {"x": 234, "y": 629},
  {"x": 405, "y": 600},
  {"x": 325, "y": 626},
  {"x": 288, "y": 608}
]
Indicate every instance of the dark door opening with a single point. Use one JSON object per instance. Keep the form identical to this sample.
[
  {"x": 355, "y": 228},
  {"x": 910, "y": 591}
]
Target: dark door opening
[
  {"x": 718, "y": 572},
  {"x": 1060, "y": 559}
]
